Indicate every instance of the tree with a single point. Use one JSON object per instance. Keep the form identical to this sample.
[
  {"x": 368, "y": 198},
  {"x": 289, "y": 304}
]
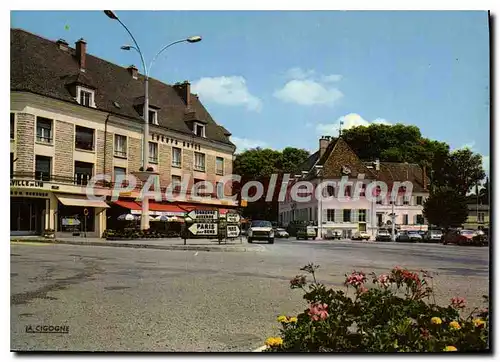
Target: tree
[
  {"x": 445, "y": 208},
  {"x": 484, "y": 193},
  {"x": 258, "y": 165}
]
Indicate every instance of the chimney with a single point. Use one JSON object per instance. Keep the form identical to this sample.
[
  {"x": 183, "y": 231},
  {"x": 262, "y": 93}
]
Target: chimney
[
  {"x": 81, "y": 50},
  {"x": 424, "y": 174},
  {"x": 377, "y": 164},
  {"x": 324, "y": 141},
  {"x": 184, "y": 91},
  {"x": 133, "y": 71},
  {"x": 62, "y": 44}
]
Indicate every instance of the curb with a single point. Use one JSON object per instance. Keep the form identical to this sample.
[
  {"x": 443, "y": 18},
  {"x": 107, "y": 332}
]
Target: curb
[
  {"x": 135, "y": 246},
  {"x": 260, "y": 349}
]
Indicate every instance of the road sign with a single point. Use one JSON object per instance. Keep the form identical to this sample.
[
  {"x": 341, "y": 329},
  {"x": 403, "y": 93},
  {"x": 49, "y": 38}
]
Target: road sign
[
  {"x": 205, "y": 215},
  {"x": 233, "y": 231},
  {"x": 204, "y": 229},
  {"x": 233, "y": 218}
]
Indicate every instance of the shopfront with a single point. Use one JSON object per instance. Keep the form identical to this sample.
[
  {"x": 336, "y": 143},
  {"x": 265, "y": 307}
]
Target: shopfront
[{"x": 28, "y": 208}]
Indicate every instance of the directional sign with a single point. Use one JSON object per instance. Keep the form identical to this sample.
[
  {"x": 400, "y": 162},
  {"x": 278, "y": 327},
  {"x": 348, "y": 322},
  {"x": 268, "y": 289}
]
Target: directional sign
[
  {"x": 208, "y": 215},
  {"x": 204, "y": 229},
  {"x": 233, "y": 218},
  {"x": 233, "y": 231}
]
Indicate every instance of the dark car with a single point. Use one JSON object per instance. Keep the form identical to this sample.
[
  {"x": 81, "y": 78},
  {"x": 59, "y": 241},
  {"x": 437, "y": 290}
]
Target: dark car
[{"x": 404, "y": 237}]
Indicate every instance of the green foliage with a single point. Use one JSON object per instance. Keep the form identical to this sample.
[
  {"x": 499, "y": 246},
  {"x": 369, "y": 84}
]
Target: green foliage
[
  {"x": 379, "y": 319},
  {"x": 445, "y": 208}
]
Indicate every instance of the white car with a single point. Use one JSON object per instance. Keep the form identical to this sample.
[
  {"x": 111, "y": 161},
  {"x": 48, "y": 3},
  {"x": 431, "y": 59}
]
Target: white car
[
  {"x": 260, "y": 230},
  {"x": 281, "y": 233},
  {"x": 361, "y": 235}
]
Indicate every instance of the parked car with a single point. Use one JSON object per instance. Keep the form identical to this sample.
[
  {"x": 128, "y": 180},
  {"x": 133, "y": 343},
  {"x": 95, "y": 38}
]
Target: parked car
[
  {"x": 463, "y": 237},
  {"x": 334, "y": 234},
  {"x": 403, "y": 237},
  {"x": 415, "y": 236},
  {"x": 433, "y": 236},
  {"x": 307, "y": 232},
  {"x": 281, "y": 233},
  {"x": 260, "y": 230},
  {"x": 360, "y": 235},
  {"x": 383, "y": 235}
]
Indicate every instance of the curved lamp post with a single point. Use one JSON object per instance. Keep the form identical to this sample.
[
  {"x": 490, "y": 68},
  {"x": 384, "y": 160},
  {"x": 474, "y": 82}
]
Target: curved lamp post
[{"x": 145, "y": 149}]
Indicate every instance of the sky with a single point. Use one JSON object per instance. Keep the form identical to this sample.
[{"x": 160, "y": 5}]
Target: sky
[{"x": 278, "y": 79}]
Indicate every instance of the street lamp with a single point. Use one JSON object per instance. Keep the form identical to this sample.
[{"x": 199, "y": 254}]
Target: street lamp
[
  {"x": 319, "y": 174},
  {"x": 145, "y": 154}
]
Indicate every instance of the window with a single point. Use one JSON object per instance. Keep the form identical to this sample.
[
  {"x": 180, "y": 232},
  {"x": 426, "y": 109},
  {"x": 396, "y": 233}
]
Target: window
[
  {"x": 120, "y": 172},
  {"x": 379, "y": 202},
  {"x": 199, "y": 161},
  {"x": 43, "y": 130},
  {"x": 419, "y": 200},
  {"x": 406, "y": 201},
  {"x": 153, "y": 152},
  {"x": 362, "y": 190},
  {"x": 347, "y": 191},
  {"x": 362, "y": 215},
  {"x": 120, "y": 146},
  {"x": 42, "y": 168},
  {"x": 86, "y": 97},
  {"x": 176, "y": 183},
  {"x": 12, "y": 125},
  {"x": 347, "y": 215},
  {"x": 84, "y": 138},
  {"x": 153, "y": 117},
  {"x": 330, "y": 190},
  {"x": 480, "y": 217},
  {"x": 199, "y": 130},
  {"x": 11, "y": 165},
  {"x": 176, "y": 157},
  {"x": 420, "y": 219},
  {"x": 330, "y": 215},
  {"x": 219, "y": 166},
  {"x": 83, "y": 172},
  {"x": 405, "y": 219}
]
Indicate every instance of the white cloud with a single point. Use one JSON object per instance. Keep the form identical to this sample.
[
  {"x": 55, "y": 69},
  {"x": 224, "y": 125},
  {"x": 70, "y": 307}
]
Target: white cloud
[
  {"x": 243, "y": 144},
  {"x": 306, "y": 89},
  {"x": 349, "y": 121},
  {"x": 231, "y": 91}
]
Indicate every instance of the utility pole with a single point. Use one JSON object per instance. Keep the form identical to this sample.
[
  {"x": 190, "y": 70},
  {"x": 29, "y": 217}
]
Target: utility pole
[{"x": 393, "y": 218}]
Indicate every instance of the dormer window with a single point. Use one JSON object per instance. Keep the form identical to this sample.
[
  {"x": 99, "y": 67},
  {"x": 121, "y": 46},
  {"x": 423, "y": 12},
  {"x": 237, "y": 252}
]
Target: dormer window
[
  {"x": 85, "y": 97},
  {"x": 199, "y": 129},
  {"x": 153, "y": 116}
]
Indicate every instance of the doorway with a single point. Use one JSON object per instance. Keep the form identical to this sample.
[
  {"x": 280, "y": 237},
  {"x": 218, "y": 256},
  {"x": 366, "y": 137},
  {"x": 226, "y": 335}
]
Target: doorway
[{"x": 27, "y": 216}]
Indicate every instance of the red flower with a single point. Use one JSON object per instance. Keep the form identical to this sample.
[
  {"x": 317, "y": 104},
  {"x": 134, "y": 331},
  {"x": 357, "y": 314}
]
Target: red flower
[
  {"x": 318, "y": 311},
  {"x": 458, "y": 302}
]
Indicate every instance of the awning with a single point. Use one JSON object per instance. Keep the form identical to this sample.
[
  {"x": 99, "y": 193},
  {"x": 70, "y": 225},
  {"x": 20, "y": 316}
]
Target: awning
[
  {"x": 168, "y": 209},
  {"x": 82, "y": 201},
  {"x": 128, "y": 204}
]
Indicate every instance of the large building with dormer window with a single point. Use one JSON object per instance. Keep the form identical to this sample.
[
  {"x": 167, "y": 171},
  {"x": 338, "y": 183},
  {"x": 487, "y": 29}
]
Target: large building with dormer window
[
  {"x": 341, "y": 213},
  {"x": 74, "y": 116}
]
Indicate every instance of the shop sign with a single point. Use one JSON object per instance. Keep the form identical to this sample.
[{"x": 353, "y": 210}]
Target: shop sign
[
  {"x": 26, "y": 183},
  {"x": 37, "y": 194}
]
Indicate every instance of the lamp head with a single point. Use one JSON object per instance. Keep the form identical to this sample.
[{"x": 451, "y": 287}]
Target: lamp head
[
  {"x": 194, "y": 39},
  {"x": 110, "y": 14}
]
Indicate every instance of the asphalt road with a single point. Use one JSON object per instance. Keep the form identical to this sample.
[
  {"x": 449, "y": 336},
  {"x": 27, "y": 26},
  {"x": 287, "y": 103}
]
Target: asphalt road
[{"x": 121, "y": 299}]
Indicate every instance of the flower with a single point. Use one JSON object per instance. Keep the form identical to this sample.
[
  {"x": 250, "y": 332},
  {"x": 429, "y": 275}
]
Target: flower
[
  {"x": 298, "y": 282},
  {"x": 383, "y": 280},
  {"x": 424, "y": 333},
  {"x": 282, "y": 319},
  {"x": 274, "y": 341},
  {"x": 293, "y": 320},
  {"x": 479, "y": 323},
  {"x": 458, "y": 303},
  {"x": 436, "y": 320},
  {"x": 318, "y": 311},
  {"x": 355, "y": 279},
  {"x": 362, "y": 289},
  {"x": 450, "y": 349},
  {"x": 455, "y": 325}
]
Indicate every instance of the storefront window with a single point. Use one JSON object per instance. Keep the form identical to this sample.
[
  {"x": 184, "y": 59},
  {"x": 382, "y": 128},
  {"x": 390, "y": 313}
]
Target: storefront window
[{"x": 73, "y": 219}]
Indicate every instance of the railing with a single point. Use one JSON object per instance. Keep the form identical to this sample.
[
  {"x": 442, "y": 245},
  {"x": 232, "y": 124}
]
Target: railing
[
  {"x": 44, "y": 139},
  {"x": 176, "y": 163},
  {"x": 121, "y": 153}
]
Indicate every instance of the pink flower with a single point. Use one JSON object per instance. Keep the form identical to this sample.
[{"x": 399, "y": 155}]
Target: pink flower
[
  {"x": 318, "y": 311},
  {"x": 458, "y": 302},
  {"x": 355, "y": 279},
  {"x": 384, "y": 280},
  {"x": 362, "y": 289}
]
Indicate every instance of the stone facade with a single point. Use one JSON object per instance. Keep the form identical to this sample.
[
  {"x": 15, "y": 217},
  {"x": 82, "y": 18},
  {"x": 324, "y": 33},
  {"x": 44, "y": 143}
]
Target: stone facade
[
  {"x": 64, "y": 146},
  {"x": 187, "y": 162},
  {"x": 25, "y": 142},
  {"x": 134, "y": 154},
  {"x": 164, "y": 163},
  {"x": 210, "y": 167}
]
